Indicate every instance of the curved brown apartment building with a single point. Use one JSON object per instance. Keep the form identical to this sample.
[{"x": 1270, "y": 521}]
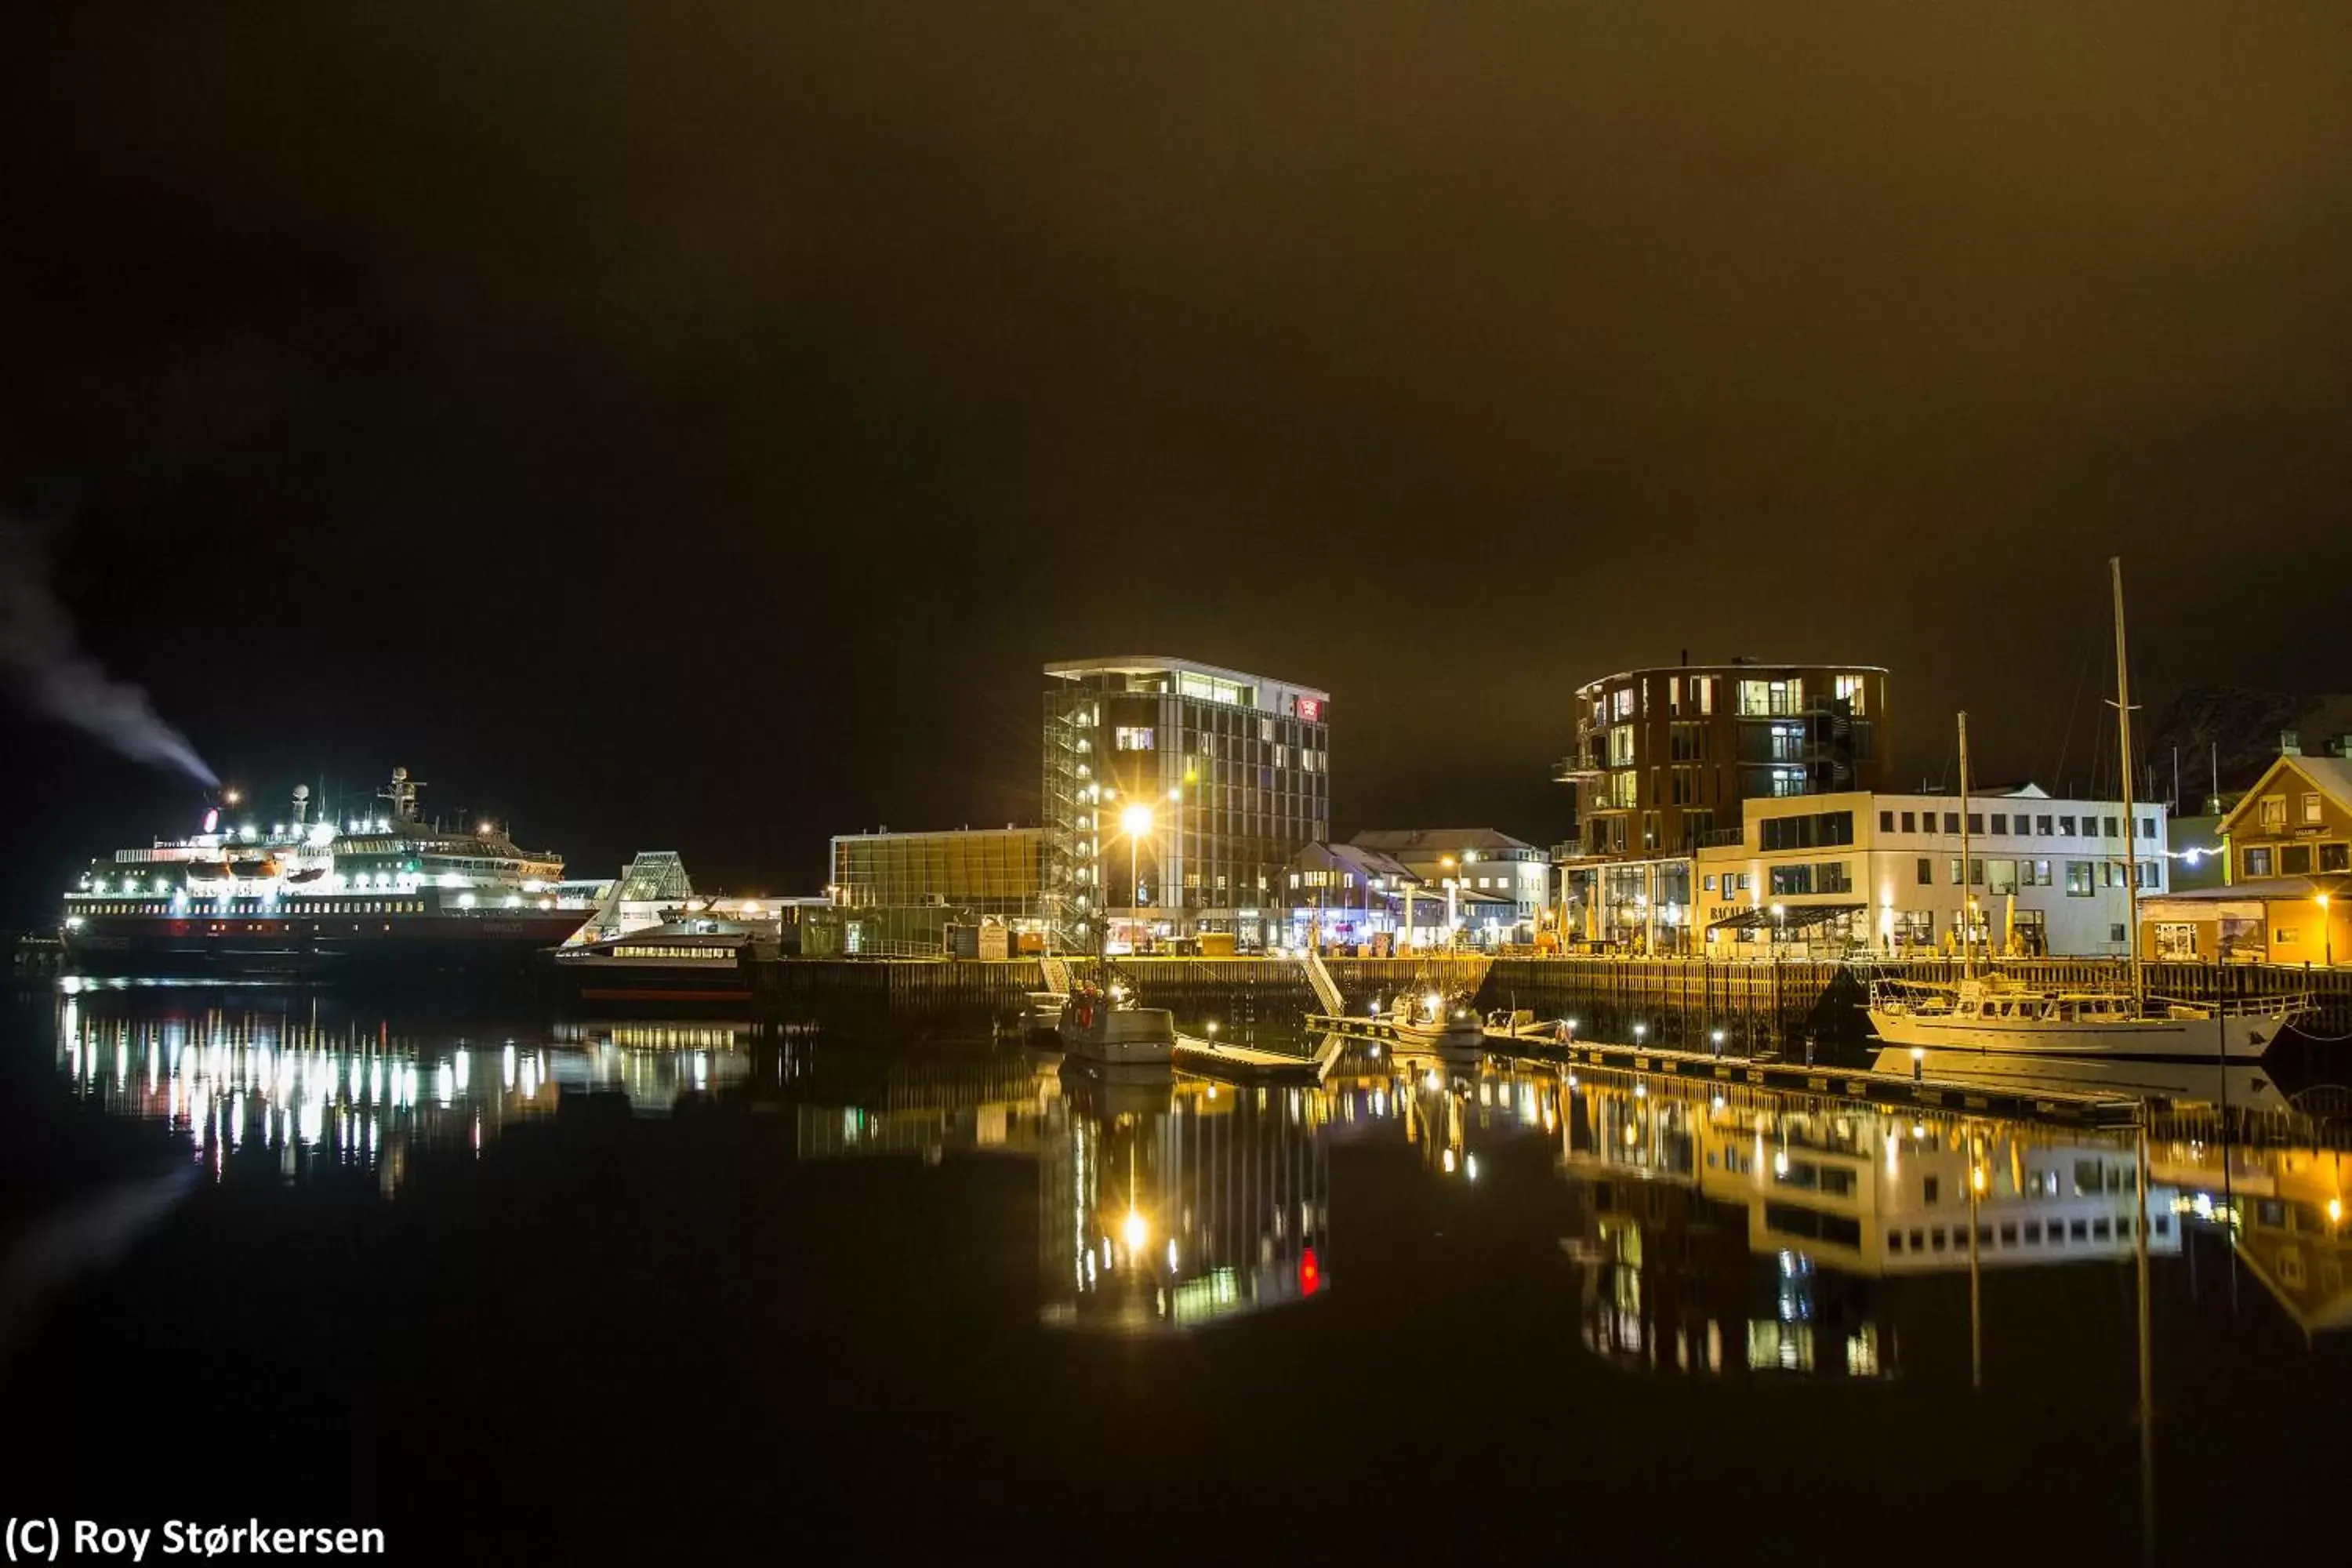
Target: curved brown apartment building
[{"x": 1664, "y": 757}]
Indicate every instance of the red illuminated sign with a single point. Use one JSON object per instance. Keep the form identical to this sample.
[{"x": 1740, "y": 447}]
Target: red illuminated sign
[
  {"x": 1311, "y": 709},
  {"x": 1311, "y": 1273}
]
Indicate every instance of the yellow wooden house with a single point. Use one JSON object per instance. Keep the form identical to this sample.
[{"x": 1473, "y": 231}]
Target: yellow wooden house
[{"x": 2289, "y": 896}]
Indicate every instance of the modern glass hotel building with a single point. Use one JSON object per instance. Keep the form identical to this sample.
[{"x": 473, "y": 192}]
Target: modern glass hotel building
[{"x": 1174, "y": 794}]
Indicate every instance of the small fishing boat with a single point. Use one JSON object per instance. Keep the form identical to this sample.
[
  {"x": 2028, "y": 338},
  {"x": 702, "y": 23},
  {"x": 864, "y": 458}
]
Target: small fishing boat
[
  {"x": 1101, "y": 1024},
  {"x": 1446, "y": 1026}
]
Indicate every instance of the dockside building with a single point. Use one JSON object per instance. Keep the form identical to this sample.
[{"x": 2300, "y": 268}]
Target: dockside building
[
  {"x": 1175, "y": 792},
  {"x": 1664, "y": 760},
  {"x": 993, "y": 871},
  {"x": 1883, "y": 873}
]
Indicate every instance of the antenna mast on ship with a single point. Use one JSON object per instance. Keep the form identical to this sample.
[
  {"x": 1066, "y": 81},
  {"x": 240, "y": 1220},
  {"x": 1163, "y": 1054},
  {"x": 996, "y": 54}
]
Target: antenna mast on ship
[{"x": 2131, "y": 823}]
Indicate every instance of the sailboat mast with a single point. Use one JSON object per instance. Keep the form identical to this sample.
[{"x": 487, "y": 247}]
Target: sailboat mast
[
  {"x": 2131, "y": 823},
  {"x": 1968, "y": 884}
]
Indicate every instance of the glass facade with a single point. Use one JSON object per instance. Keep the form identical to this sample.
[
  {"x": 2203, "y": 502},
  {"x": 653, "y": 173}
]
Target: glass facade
[
  {"x": 993, "y": 871},
  {"x": 1174, "y": 795}
]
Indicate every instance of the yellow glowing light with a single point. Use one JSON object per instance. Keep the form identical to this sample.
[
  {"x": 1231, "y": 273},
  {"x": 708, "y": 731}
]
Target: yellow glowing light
[
  {"x": 2335, "y": 1210},
  {"x": 1135, "y": 1230},
  {"x": 1136, "y": 820},
  {"x": 1431, "y": 1003},
  {"x": 1976, "y": 1178}
]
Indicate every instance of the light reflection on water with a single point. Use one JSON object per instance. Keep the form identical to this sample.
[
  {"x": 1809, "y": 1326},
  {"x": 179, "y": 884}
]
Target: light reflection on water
[
  {"x": 361, "y": 1093},
  {"x": 1168, "y": 1205}
]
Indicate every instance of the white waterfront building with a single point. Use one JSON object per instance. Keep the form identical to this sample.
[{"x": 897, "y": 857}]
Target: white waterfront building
[{"x": 1836, "y": 873}]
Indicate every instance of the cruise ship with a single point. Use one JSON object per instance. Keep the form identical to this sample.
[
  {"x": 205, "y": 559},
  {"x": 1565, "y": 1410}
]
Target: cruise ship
[{"x": 311, "y": 898}]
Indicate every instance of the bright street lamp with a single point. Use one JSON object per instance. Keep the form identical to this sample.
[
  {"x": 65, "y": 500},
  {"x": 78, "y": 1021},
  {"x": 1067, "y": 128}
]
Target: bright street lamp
[{"x": 1136, "y": 821}]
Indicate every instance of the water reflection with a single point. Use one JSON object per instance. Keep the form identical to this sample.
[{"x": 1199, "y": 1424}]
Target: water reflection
[
  {"x": 1738, "y": 1231},
  {"x": 1454, "y": 1115},
  {"x": 927, "y": 1104},
  {"x": 1164, "y": 1210},
  {"x": 2248, "y": 1087},
  {"x": 1731, "y": 1230},
  {"x": 2231, "y": 1150},
  {"x": 1162, "y": 1205},
  {"x": 300, "y": 1091}
]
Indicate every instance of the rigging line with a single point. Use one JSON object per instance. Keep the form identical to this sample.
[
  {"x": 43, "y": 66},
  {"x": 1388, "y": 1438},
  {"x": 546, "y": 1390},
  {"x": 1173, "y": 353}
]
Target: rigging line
[{"x": 2073, "y": 707}]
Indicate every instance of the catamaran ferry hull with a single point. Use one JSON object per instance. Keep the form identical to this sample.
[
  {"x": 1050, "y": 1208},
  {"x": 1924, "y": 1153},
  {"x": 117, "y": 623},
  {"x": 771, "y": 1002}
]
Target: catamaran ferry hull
[{"x": 2232, "y": 1036}]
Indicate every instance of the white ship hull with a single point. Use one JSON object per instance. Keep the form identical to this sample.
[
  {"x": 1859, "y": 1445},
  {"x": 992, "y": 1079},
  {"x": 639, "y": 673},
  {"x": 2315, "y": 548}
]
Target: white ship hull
[
  {"x": 1120, "y": 1037},
  {"x": 1463, "y": 1041},
  {"x": 2236, "y": 1036}
]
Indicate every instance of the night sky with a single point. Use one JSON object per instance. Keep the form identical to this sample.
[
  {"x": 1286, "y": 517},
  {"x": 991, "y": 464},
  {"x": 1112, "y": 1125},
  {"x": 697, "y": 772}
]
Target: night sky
[{"x": 692, "y": 427}]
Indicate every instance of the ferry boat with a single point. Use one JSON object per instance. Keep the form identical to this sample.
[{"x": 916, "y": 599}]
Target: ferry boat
[
  {"x": 310, "y": 898},
  {"x": 696, "y": 958}
]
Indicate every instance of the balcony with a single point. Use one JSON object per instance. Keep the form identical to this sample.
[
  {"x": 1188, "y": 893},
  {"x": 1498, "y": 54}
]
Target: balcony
[{"x": 1574, "y": 770}]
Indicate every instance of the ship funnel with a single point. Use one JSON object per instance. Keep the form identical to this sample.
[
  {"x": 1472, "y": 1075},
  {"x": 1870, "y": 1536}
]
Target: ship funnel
[{"x": 301, "y": 804}]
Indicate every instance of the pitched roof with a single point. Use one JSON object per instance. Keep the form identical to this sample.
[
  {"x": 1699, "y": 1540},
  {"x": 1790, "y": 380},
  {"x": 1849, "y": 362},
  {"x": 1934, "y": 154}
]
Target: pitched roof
[
  {"x": 2332, "y": 774},
  {"x": 1395, "y": 838},
  {"x": 1371, "y": 862},
  {"x": 2267, "y": 888}
]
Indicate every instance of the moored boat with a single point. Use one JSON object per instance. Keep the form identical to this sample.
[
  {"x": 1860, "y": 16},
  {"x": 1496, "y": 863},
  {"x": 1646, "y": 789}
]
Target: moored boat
[
  {"x": 1101, "y": 1024},
  {"x": 387, "y": 895},
  {"x": 1448, "y": 1027},
  {"x": 689, "y": 960},
  {"x": 1995, "y": 1014},
  {"x": 1998, "y": 1015}
]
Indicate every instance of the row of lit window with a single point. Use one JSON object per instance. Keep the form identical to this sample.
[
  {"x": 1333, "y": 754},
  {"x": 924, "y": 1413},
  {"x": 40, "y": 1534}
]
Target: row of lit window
[
  {"x": 351, "y": 907},
  {"x": 2295, "y": 859},
  {"x": 1695, "y": 694},
  {"x": 2272, "y": 811},
  {"x": 675, "y": 952},
  {"x": 2038, "y": 826},
  {"x": 2033, "y": 1233}
]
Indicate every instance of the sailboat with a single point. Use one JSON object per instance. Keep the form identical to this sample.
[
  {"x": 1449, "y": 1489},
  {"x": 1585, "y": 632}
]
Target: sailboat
[{"x": 2001, "y": 1014}]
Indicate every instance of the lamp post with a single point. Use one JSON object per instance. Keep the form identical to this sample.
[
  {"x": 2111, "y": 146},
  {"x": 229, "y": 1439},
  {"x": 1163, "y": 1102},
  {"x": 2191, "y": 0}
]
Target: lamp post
[
  {"x": 1175, "y": 831},
  {"x": 2326, "y": 933},
  {"x": 1453, "y": 921},
  {"x": 1135, "y": 821}
]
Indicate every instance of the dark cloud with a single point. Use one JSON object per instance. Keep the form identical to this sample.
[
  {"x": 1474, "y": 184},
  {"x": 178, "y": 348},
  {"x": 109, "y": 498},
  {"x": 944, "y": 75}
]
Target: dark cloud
[{"x": 702, "y": 421}]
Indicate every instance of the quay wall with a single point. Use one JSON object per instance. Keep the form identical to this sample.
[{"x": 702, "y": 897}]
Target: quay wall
[
  {"x": 1760, "y": 1005},
  {"x": 1240, "y": 994}
]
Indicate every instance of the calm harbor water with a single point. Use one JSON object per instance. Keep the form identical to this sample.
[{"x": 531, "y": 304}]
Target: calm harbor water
[{"x": 591, "y": 1287}]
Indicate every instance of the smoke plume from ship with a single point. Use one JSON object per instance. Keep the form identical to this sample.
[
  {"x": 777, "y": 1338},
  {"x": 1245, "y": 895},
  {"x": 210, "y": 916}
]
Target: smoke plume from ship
[{"x": 40, "y": 654}]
